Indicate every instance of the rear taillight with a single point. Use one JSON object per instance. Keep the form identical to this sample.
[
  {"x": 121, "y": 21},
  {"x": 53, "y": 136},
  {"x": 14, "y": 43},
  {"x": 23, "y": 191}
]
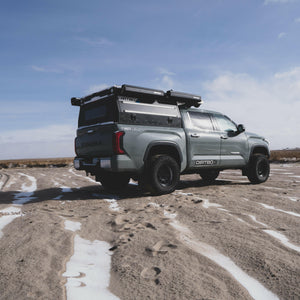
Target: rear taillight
[{"x": 118, "y": 142}]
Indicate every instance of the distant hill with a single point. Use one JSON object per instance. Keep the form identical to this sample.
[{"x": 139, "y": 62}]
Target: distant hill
[
  {"x": 39, "y": 162},
  {"x": 286, "y": 155}
]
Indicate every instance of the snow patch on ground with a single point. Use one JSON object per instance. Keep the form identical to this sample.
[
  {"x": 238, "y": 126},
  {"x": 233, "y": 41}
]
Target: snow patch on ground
[
  {"x": 226, "y": 210},
  {"x": 7, "y": 215},
  {"x": 10, "y": 182},
  {"x": 184, "y": 194},
  {"x": 295, "y": 199},
  {"x": 113, "y": 204},
  {"x": 260, "y": 223},
  {"x": 170, "y": 215},
  {"x": 85, "y": 177},
  {"x": 88, "y": 270},
  {"x": 65, "y": 189},
  {"x": 241, "y": 220},
  {"x": 207, "y": 204},
  {"x": 153, "y": 204},
  {"x": 273, "y": 188},
  {"x": 72, "y": 225},
  {"x": 283, "y": 239},
  {"x": 254, "y": 287},
  {"x": 25, "y": 195},
  {"x": 1, "y": 182},
  {"x": 281, "y": 210},
  {"x": 132, "y": 182}
]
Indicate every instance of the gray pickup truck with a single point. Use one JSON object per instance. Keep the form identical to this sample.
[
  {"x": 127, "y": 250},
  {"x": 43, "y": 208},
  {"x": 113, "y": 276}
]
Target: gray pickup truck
[{"x": 154, "y": 136}]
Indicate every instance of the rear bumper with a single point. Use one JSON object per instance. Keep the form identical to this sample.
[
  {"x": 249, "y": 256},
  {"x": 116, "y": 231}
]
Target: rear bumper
[{"x": 116, "y": 163}]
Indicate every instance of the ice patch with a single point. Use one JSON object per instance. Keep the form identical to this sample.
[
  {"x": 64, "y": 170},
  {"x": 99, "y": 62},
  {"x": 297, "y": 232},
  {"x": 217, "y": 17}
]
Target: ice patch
[
  {"x": 288, "y": 173},
  {"x": 254, "y": 287},
  {"x": 184, "y": 194},
  {"x": 25, "y": 195},
  {"x": 153, "y": 204},
  {"x": 283, "y": 239},
  {"x": 207, "y": 204},
  {"x": 281, "y": 210},
  {"x": 273, "y": 188},
  {"x": 113, "y": 204},
  {"x": 65, "y": 189},
  {"x": 223, "y": 209},
  {"x": 281, "y": 170},
  {"x": 295, "y": 199},
  {"x": 241, "y": 220},
  {"x": 170, "y": 215},
  {"x": 72, "y": 225},
  {"x": 1, "y": 182},
  {"x": 8, "y": 215},
  {"x": 260, "y": 223},
  {"x": 295, "y": 176},
  {"x": 88, "y": 271},
  {"x": 131, "y": 182},
  {"x": 85, "y": 177},
  {"x": 11, "y": 182}
]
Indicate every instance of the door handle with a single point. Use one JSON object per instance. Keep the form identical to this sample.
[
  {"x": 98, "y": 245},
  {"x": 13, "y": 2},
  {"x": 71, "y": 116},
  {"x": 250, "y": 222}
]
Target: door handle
[
  {"x": 91, "y": 131},
  {"x": 224, "y": 137},
  {"x": 195, "y": 135}
]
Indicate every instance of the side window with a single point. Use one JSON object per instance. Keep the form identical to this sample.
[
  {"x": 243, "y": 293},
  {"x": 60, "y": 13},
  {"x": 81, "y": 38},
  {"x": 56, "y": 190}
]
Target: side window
[
  {"x": 225, "y": 124},
  {"x": 201, "y": 121}
]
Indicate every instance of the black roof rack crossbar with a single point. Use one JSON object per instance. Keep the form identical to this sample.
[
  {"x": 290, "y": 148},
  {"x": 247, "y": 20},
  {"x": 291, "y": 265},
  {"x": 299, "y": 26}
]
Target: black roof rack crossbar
[{"x": 170, "y": 97}]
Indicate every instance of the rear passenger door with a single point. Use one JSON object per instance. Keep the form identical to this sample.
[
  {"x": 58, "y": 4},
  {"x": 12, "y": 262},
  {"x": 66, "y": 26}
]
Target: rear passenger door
[{"x": 203, "y": 142}]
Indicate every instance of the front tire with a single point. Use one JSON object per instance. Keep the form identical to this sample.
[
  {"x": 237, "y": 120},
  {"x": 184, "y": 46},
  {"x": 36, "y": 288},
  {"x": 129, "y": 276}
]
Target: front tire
[
  {"x": 162, "y": 175},
  {"x": 259, "y": 169}
]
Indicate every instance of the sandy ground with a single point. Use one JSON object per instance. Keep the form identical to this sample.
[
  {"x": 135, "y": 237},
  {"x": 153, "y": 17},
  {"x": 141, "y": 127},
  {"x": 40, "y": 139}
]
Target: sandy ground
[{"x": 226, "y": 240}]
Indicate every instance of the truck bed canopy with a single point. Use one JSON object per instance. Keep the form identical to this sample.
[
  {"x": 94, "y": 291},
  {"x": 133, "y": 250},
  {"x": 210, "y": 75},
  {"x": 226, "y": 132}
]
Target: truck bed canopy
[{"x": 144, "y": 94}]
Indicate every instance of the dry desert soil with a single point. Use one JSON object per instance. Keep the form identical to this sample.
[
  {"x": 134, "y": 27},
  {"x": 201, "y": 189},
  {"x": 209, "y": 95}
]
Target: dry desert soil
[{"x": 225, "y": 240}]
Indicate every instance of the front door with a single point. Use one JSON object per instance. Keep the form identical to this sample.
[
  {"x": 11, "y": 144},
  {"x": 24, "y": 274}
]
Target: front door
[
  {"x": 203, "y": 142},
  {"x": 234, "y": 145}
]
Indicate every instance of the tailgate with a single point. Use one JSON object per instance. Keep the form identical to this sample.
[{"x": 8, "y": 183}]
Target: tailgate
[{"x": 95, "y": 141}]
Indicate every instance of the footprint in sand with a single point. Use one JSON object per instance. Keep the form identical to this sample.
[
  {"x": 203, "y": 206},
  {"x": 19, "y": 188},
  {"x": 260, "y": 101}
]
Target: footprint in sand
[
  {"x": 150, "y": 273},
  {"x": 161, "y": 247}
]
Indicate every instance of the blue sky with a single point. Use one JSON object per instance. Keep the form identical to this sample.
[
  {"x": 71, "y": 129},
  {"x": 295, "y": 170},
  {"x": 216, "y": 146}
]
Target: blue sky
[{"x": 242, "y": 57}]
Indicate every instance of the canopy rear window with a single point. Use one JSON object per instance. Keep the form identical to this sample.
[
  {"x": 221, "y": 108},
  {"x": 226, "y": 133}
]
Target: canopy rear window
[{"x": 97, "y": 112}]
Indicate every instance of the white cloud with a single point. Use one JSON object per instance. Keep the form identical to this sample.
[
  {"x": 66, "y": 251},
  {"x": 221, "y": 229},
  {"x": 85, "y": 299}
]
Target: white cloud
[
  {"x": 164, "y": 71},
  {"x": 266, "y": 2},
  {"x": 96, "y": 88},
  {"x": 95, "y": 42},
  {"x": 165, "y": 80},
  {"x": 297, "y": 20},
  {"x": 46, "y": 70},
  {"x": 282, "y": 35},
  {"x": 50, "y": 141},
  {"x": 269, "y": 107}
]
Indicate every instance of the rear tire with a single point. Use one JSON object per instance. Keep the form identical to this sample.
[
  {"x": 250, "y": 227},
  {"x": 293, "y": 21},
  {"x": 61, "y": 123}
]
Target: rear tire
[
  {"x": 259, "y": 169},
  {"x": 209, "y": 175},
  {"x": 113, "y": 182},
  {"x": 162, "y": 175}
]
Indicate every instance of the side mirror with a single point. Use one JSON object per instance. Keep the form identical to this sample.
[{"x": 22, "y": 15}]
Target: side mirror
[{"x": 240, "y": 128}]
